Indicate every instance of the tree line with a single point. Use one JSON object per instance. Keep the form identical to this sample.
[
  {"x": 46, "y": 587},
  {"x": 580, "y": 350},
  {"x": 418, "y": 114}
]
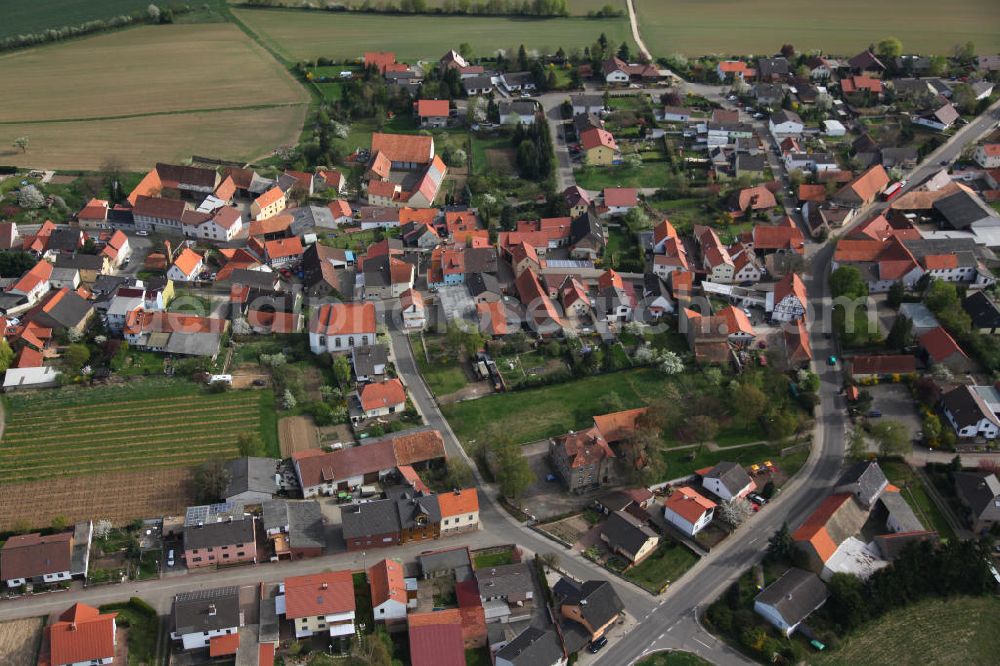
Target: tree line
[{"x": 538, "y": 8}]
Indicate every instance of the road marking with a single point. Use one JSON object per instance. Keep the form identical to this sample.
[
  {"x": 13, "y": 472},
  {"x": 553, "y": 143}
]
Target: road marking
[
  {"x": 660, "y": 637},
  {"x": 707, "y": 646},
  {"x": 754, "y": 540}
]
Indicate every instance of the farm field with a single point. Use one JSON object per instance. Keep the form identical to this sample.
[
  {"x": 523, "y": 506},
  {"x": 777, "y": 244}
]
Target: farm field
[
  {"x": 211, "y": 66},
  {"x": 297, "y": 433},
  {"x": 139, "y": 142},
  {"x": 160, "y": 492},
  {"x": 699, "y": 27},
  {"x": 159, "y": 424},
  {"x": 940, "y": 631},
  {"x": 20, "y": 639},
  {"x": 28, "y": 17},
  {"x": 221, "y": 95},
  {"x": 300, "y": 35}
]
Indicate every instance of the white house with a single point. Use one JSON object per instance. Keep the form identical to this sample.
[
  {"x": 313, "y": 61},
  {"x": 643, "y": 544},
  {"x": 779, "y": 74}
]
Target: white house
[
  {"x": 377, "y": 399},
  {"x": 342, "y": 326},
  {"x": 459, "y": 511},
  {"x": 34, "y": 283},
  {"x": 987, "y": 155},
  {"x": 972, "y": 411},
  {"x": 187, "y": 266},
  {"x": 728, "y": 480},
  {"x": 788, "y": 601},
  {"x": 321, "y": 603},
  {"x": 388, "y": 591},
  {"x": 221, "y": 225},
  {"x": 688, "y": 510},
  {"x": 785, "y": 123},
  {"x": 203, "y": 615},
  {"x": 587, "y": 103},
  {"x": 939, "y": 119},
  {"x": 834, "y": 128},
  {"x": 411, "y": 305}
]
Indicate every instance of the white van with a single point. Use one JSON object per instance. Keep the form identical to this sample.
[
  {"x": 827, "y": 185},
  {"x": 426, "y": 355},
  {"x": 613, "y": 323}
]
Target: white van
[{"x": 170, "y": 558}]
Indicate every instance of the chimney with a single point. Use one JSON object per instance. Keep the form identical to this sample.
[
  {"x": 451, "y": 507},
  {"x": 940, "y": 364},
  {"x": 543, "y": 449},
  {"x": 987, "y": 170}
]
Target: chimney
[
  {"x": 169, "y": 251},
  {"x": 72, "y": 626},
  {"x": 211, "y": 610},
  {"x": 323, "y": 586}
]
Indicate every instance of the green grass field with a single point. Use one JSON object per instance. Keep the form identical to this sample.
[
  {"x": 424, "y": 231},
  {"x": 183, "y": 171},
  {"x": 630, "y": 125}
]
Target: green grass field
[
  {"x": 652, "y": 174},
  {"x": 534, "y": 414},
  {"x": 699, "y": 27},
  {"x": 299, "y": 35},
  {"x": 953, "y": 631},
  {"x": 443, "y": 374},
  {"x": 30, "y": 17},
  {"x": 153, "y": 423},
  {"x": 663, "y": 567}
]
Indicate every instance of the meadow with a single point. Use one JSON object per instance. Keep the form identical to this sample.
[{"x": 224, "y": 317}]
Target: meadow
[
  {"x": 698, "y": 27},
  {"x": 148, "y": 424},
  {"x": 31, "y": 17},
  {"x": 302, "y": 35}
]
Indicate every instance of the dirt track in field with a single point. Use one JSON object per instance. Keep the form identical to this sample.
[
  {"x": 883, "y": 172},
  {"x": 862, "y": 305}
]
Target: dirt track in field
[{"x": 296, "y": 433}]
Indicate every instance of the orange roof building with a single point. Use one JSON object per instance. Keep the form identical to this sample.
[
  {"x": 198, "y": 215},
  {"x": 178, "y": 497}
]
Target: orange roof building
[
  {"x": 837, "y": 518},
  {"x": 688, "y": 510},
  {"x": 82, "y": 635},
  {"x": 342, "y": 326},
  {"x": 404, "y": 149},
  {"x": 460, "y": 508},
  {"x": 388, "y": 590},
  {"x": 863, "y": 189},
  {"x": 432, "y": 108},
  {"x": 186, "y": 266},
  {"x": 321, "y": 603},
  {"x": 380, "y": 398}
]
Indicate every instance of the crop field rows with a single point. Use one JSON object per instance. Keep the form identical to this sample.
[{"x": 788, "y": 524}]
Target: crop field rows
[{"x": 149, "y": 433}]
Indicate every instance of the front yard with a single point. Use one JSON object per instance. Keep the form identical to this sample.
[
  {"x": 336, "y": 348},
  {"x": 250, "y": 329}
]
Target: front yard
[{"x": 663, "y": 567}]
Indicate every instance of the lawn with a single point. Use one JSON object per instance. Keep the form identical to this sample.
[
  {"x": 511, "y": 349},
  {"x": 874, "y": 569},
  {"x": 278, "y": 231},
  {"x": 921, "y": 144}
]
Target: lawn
[
  {"x": 902, "y": 476},
  {"x": 483, "y": 147},
  {"x": 674, "y": 658},
  {"x": 623, "y": 252},
  {"x": 534, "y": 414},
  {"x": 143, "y": 629},
  {"x": 663, "y": 567},
  {"x": 32, "y": 17},
  {"x": 940, "y": 631},
  {"x": 221, "y": 96},
  {"x": 443, "y": 374},
  {"x": 487, "y": 560},
  {"x": 651, "y": 175},
  {"x": 679, "y": 462},
  {"x": 153, "y": 423},
  {"x": 300, "y": 35},
  {"x": 698, "y": 27}
]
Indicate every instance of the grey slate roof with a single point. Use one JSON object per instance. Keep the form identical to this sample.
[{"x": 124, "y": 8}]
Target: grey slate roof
[
  {"x": 961, "y": 210},
  {"x": 732, "y": 476},
  {"x": 795, "y": 595},
  {"x": 411, "y": 505},
  {"x": 901, "y": 512},
  {"x": 370, "y": 519},
  {"x": 68, "y": 312},
  {"x": 980, "y": 492},
  {"x": 192, "y": 610},
  {"x": 303, "y": 518},
  {"x": 983, "y": 311},
  {"x": 966, "y": 406},
  {"x": 82, "y": 262},
  {"x": 867, "y": 480},
  {"x": 509, "y": 581},
  {"x": 626, "y": 532},
  {"x": 251, "y": 475},
  {"x": 367, "y": 357},
  {"x": 214, "y": 535},
  {"x": 193, "y": 344},
  {"x": 597, "y": 599},
  {"x": 454, "y": 559},
  {"x": 533, "y": 647},
  {"x": 480, "y": 283}
]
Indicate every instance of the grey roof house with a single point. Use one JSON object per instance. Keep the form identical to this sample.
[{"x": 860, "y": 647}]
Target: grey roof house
[
  {"x": 532, "y": 647},
  {"x": 295, "y": 527},
  {"x": 200, "y": 616},
  {"x": 457, "y": 561},
  {"x": 252, "y": 480},
  {"x": 865, "y": 480},
  {"x": 788, "y": 601},
  {"x": 980, "y": 493},
  {"x": 629, "y": 537}
]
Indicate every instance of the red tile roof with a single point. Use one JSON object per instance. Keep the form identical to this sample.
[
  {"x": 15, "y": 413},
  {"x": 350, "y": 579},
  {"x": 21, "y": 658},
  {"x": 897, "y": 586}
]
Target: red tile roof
[
  {"x": 414, "y": 148},
  {"x": 610, "y": 278},
  {"x": 37, "y": 274},
  {"x": 188, "y": 261},
  {"x": 492, "y": 317},
  {"x": 82, "y": 634},
  {"x": 380, "y": 395},
  {"x": 284, "y": 247},
  {"x": 269, "y": 197},
  {"x": 411, "y": 297},
  {"x": 595, "y": 137},
  {"x": 618, "y": 426},
  {"x": 224, "y": 646},
  {"x": 584, "y": 447},
  {"x": 812, "y": 192},
  {"x": 865, "y": 187},
  {"x": 797, "y": 344},
  {"x": 886, "y": 364},
  {"x": 31, "y": 555},
  {"x": 621, "y": 196},
  {"x": 340, "y": 208},
  {"x": 386, "y": 582},
  {"x": 688, "y": 503},
  {"x": 792, "y": 285},
  {"x": 459, "y": 502},
  {"x": 858, "y": 250},
  {"x": 814, "y": 529},
  {"x": 316, "y": 467},
  {"x": 783, "y": 236},
  {"x": 379, "y": 59},
  {"x": 319, "y": 594},
  {"x": 141, "y": 321},
  {"x": 344, "y": 319},
  {"x": 432, "y": 108},
  {"x": 940, "y": 345},
  {"x": 436, "y": 644}
]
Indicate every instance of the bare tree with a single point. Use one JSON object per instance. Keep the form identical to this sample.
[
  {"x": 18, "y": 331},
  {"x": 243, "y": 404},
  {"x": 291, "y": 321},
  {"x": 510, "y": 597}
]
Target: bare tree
[
  {"x": 734, "y": 512},
  {"x": 22, "y": 143}
]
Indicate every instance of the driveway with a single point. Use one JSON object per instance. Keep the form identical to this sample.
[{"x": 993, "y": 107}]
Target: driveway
[
  {"x": 895, "y": 403},
  {"x": 546, "y": 499}
]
